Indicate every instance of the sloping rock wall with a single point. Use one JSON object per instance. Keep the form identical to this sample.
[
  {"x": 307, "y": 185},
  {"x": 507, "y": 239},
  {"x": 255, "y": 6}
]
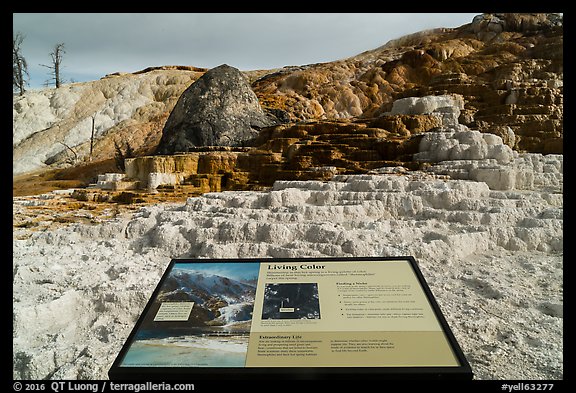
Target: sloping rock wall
[
  {"x": 128, "y": 108},
  {"x": 507, "y": 67},
  {"x": 418, "y": 132}
]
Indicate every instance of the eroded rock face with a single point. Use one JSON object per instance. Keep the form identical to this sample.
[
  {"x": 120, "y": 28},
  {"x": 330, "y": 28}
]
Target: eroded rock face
[
  {"x": 487, "y": 26},
  {"x": 446, "y": 107},
  {"x": 126, "y": 108},
  {"x": 507, "y": 67},
  {"x": 219, "y": 109}
]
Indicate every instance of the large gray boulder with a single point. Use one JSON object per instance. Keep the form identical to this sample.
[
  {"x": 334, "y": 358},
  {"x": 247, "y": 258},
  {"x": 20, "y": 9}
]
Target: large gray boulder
[{"x": 219, "y": 109}]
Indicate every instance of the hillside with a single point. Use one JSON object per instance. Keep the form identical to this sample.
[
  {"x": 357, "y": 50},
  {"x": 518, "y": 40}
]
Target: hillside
[
  {"x": 508, "y": 68},
  {"x": 128, "y": 108}
]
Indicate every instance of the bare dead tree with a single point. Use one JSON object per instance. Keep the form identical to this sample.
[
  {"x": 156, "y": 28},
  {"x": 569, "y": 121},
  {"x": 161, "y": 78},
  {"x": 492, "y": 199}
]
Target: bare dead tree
[
  {"x": 120, "y": 156},
  {"x": 56, "y": 64},
  {"x": 75, "y": 159},
  {"x": 19, "y": 65},
  {"x": 92, "y": 137}
]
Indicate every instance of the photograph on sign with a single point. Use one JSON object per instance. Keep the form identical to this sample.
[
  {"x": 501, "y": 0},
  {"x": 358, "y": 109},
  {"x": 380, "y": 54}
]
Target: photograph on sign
[
  {"x": 203, "y": 318},
  {"x": 291, "y": 301}
]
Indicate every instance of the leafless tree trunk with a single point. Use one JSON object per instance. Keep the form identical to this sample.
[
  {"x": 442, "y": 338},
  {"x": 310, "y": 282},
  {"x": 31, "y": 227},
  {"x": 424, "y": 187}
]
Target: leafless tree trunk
[
  {"x": 56, "y": 64},
  {"x": 119, "y": 156},
  {"x": 73, "y": 152},
  {"x": 19, "y": 65},
  {"x": 92, "y": 138}
]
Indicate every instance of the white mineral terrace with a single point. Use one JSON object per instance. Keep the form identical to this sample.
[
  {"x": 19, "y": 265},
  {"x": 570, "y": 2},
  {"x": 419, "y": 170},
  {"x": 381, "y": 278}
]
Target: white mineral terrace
[{"x": 492, "y": 257}]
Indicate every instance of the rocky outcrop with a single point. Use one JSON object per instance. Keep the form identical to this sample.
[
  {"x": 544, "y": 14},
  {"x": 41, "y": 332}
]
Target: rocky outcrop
[
  {"x": 507, "y": 67},
  {"x": 446, "y": 107},
  {"x": 195, "y": 171},
  {"x": 489, "y": 26},
  {"x": 512, "y": 84},
  {"x": 50, "y": 124},
  {"x": 219, "y": 109},
  {"x": 321, "y": 149},
  {"x": 423, "y": 133}
]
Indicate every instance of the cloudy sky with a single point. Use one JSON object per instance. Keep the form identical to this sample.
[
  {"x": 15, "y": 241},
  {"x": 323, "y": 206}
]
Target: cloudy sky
[{"x": 100, "y": 44}]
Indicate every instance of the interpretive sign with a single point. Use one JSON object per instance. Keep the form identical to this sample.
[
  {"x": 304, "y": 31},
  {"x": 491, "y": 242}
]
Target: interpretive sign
[{"x": 305, "y": 317}]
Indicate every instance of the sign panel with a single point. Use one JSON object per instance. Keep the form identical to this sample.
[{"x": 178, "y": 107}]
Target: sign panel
[{"x": 310, "y": 316}]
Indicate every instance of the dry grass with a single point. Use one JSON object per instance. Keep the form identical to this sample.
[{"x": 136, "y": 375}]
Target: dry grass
[
  {"x": 63, "y": 209},
  {"x": 58, "y": 179}
]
